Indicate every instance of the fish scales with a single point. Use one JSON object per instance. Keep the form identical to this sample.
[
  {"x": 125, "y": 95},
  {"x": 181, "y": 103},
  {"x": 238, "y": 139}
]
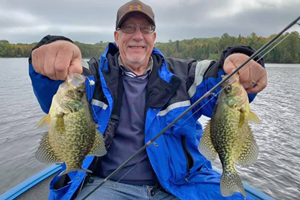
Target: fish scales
[{"x": 74, "y": 142}]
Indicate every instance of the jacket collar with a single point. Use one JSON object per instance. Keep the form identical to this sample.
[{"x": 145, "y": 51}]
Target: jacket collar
[{"x": 162, "y": 84}]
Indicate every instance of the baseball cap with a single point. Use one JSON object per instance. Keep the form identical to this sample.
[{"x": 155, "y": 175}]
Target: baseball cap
[{"x": 134, "y": 6}]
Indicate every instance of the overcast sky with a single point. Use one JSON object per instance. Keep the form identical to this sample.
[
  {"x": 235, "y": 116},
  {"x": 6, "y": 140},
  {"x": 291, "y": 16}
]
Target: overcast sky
[{"x": 91, "y": 21}]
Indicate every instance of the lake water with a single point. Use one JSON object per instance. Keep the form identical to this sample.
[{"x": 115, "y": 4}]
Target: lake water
[{"x": 276, "y": 172}]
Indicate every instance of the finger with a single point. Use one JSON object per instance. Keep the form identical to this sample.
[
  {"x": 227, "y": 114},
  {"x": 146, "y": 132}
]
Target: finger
[
  {"x": 49, "y": 64},
  {"x": 76, "y": 66},
  {"x": 254, "y": 73},
  {"x": 62, "y": 63},
  {"x": 250, "y": 73},
  {"x": 234, "y": 61},
  {"x": 260, "y": 85},
  {"x": 40, "y": 63},
  {"x": 229, "y": 65},
  {"x": 36, "y": 59},
  {"x": 257, "y": 75},
  {"x": 76, "y": 63}
]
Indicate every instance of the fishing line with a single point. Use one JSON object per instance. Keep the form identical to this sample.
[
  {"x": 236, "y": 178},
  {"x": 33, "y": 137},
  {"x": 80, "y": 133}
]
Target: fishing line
[
  {"x": 92, "y": 83},
  {"x": 114, "y": 184},
  {"x": 81, "y": 186},
  {"x": 132, "y": 168},
  {"x": 216, "y": 94},
  {"x": 207, "y": 94},
  {"x": 275, "y": 45},
  {"x": 213, "y": 96}
]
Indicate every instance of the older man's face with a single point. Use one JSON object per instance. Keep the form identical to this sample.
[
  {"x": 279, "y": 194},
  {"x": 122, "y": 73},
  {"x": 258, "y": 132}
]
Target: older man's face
[{"x": 135, "y": 48}]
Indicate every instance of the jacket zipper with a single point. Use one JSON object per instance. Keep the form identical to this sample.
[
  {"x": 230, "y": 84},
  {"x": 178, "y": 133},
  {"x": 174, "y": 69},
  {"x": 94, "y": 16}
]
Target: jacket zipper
[{"x": 188, "y": 156}]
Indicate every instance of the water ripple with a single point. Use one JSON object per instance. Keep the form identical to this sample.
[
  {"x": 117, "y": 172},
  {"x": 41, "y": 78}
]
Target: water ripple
[{"x": 276, "y": 172}]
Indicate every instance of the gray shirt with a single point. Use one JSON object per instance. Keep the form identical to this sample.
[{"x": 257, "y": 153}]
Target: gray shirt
[{"x": 129, "y": 136}]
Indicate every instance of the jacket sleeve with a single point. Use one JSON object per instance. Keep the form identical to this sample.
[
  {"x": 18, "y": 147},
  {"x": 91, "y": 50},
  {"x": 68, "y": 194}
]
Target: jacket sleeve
[{"x": 206, "y": 74}]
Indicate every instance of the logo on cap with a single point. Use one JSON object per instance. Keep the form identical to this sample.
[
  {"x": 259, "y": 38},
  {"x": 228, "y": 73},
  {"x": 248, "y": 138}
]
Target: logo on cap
[{"x": 138, "y": 7}]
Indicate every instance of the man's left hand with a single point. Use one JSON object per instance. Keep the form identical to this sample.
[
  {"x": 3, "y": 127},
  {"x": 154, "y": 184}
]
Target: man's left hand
[{"x": 252, "y": 76}]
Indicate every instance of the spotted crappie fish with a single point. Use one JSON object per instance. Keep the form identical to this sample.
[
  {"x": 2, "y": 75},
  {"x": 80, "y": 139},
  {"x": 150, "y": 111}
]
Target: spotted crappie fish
[
  {"x": 229, "y": 135},
  {"x": 73, "y": 133}
]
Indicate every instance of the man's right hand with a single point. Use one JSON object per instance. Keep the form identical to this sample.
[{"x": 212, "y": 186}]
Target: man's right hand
[{"x": 56, "y": 59}]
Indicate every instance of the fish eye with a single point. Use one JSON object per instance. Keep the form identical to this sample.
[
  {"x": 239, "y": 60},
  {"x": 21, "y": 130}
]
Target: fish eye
[
  {"x": 79, "y": 91},
  {"x": 227, "y": 89}
]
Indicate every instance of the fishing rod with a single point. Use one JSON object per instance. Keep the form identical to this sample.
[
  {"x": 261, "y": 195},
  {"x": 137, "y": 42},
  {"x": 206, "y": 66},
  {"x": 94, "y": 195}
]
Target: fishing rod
[{"x": 207, "y": 94}]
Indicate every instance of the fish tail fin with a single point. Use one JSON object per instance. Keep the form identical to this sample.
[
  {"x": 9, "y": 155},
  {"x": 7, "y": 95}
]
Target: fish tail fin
[
  {"x": 231, "y": 183},
  {"x": 67, "y": 170},
  {"x": 63, "y": 172},
  {"x": 86, "y": 170}
]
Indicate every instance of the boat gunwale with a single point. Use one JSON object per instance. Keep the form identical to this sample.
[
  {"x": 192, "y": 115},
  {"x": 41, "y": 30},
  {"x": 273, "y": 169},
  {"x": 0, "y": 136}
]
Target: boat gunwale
[
  {"x": 30, "y": 183},
  {"x": 49, "y": 171}
]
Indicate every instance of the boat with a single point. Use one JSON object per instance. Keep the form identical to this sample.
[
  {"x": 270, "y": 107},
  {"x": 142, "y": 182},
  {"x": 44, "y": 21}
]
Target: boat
[{"x": 37, "y": 187}]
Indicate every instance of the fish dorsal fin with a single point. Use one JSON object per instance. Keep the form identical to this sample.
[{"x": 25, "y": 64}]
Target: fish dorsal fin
[
  {"x": 98, "y": 148},
  {"x": 45, "y": 153},
  {"x": 253, "y": 118},
  {"x": 206, "y": 147},
  {"x": 45, "y": 121}
]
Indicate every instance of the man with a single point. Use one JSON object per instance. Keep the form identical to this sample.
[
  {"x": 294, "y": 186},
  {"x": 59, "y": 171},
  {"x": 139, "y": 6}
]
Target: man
[{"x": 137, "y": 93}]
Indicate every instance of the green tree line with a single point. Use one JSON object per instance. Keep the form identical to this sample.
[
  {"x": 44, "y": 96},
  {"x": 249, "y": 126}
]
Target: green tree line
[{"x": 288, "y": 51}]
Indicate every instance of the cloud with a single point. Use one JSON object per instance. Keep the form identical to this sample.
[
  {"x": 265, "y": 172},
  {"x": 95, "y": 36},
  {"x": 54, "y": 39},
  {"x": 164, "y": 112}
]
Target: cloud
[{"x": 93, "y": 20}]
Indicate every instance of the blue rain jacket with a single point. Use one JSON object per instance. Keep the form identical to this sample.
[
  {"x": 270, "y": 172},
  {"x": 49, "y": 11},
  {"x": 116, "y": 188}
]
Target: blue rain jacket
[{"x": 175, "y": 159}]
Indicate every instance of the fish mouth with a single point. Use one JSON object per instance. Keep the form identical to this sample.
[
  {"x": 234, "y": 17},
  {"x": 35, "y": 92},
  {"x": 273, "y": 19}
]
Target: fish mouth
[
  {"x": 233, "y": 79},
  {"x": 67, "y": 98},
  {"x": 75, "y": 79}
]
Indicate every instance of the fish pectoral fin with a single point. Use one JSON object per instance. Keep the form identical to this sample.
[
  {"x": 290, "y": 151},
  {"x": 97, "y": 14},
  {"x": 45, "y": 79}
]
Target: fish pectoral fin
[
  {"x": 242, "y": 116},
  {"x": 253, "y": 118},
  {"x": 231, "y": 183},
  {"x": 248, "y": 152},
  {"x": 60, "y": 123},
  {"x": 45, "y": 153},
  {"x": 206, "y": 147},
  {"x": 45, "y": 121},
  {"x": 98, "y": 148}
]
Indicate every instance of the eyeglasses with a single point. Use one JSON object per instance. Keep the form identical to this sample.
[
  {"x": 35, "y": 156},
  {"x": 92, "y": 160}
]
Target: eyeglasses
[{"x": 131, "y": 28}]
